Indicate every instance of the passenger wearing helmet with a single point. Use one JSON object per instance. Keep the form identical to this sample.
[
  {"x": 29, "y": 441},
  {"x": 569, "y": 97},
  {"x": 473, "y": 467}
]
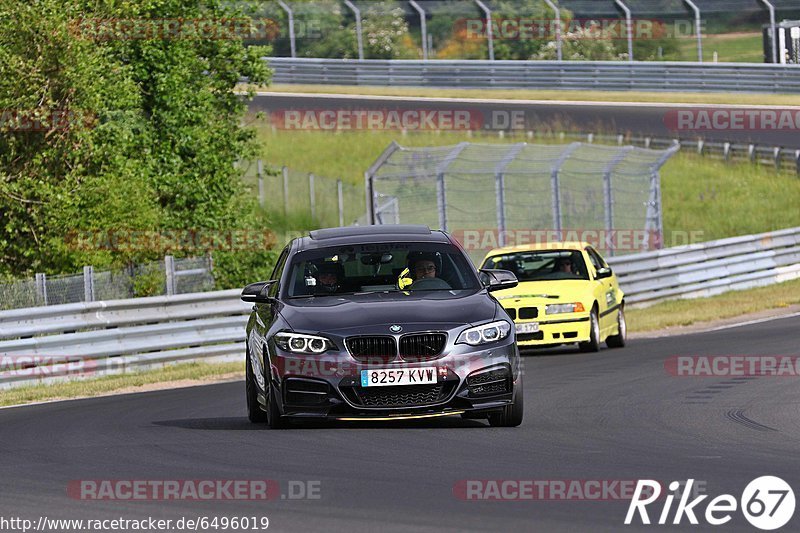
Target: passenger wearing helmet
[{"x": 329, "y": 278}]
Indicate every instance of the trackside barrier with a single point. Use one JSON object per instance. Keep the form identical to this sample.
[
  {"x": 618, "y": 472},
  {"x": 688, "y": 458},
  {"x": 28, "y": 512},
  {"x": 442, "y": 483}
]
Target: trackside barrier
[
  {"x": 578, "y": 75},
  {"x": 709, "y": 268},
  {"x": 119, "y": 336},
  {"x": 90, "y": 339}
]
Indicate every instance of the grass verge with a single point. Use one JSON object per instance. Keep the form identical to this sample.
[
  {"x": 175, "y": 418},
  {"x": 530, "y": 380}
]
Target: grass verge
[
  {"x": 745, "y": 47},
  {"x": 729, "y": 305},
  {"x": 185, "y": 373},
  {"x": 554, "y": 95}
]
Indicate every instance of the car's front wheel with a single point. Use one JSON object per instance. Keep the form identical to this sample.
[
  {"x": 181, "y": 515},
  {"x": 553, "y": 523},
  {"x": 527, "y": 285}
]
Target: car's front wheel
[
  {"x": 618, "y": 340},
  {"x": 510, "y": 416},
  {"x": 593, "y": 344},
  {"x": 255, "y": 414}
]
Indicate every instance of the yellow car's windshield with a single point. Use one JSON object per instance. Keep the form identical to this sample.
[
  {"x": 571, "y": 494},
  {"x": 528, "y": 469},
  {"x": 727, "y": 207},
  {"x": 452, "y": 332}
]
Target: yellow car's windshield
[{"x": 541, "y": 265}]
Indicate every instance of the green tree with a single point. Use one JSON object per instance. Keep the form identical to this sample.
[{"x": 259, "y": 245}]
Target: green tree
[{"x": 153, "y": 126}]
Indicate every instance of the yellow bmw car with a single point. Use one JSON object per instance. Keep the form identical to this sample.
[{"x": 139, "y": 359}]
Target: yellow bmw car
[{"x": 566, "y": 294}]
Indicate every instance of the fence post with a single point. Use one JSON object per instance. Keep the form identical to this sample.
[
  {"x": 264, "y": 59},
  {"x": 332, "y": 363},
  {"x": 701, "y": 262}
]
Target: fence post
[
  {"x": 341, "y": 202},
  {"x": 41, "y": 286},
  {"x": 169, "y": 268},
  {"x": 312, "y": 200},
  {"x": 441, "y": 201},
  {"x": 261, "y": 191},
  {"x": 285, "y": 172},
  {"x": 88, "y": 283}
]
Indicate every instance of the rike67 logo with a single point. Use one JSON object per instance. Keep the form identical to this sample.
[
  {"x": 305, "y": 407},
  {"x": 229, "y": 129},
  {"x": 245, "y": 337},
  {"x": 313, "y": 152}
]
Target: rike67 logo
[{"x": 767, "y": 503}]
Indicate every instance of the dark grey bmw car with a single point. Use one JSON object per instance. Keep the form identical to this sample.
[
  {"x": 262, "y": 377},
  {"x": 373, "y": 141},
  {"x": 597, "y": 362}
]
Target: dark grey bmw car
[{"x": 380, "y": 322}]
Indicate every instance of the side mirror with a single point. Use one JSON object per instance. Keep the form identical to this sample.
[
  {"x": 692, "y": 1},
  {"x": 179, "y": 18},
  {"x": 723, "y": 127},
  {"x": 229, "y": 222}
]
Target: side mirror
[
  {"x": 257, "y": 292},
  {"x": 497, "y": 280},
  {"x": 604, "y": 272}
]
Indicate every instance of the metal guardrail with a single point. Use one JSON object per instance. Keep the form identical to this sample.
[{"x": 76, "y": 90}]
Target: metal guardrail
[
  {"x": 74, "y": 341},
  {"x": 709, "y": 268},
  {"x": 91, "y": 339},
  {"x": 579, "y": 75}
]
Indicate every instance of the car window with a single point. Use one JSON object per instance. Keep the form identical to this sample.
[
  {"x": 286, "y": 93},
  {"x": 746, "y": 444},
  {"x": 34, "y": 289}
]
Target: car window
[
  {"x": 595, "y": 258},
  {"x": 277, "y": 271},
  {"x": 541, "y": 265},
  {"x": 380, "y": 267}
]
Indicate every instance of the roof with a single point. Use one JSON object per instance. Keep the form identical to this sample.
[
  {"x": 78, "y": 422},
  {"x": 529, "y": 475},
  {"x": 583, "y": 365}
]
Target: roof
[
  {"x": 538, "y": 246},
  {"x": 324, "y": 238}
]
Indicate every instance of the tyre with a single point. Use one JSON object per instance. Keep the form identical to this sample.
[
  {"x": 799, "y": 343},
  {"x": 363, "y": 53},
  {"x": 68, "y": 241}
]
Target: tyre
[
  {"x": 255, "y": 414},
  {"x": 510, "y": 416},
  {"x": 618, "y": 340},
  {"x": 593, "y": 344}
]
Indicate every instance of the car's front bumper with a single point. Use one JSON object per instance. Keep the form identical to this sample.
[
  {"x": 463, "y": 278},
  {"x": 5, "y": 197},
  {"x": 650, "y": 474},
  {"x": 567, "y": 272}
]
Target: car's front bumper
[
  {"x": 470, "y": 381},
  {"x": 556, "y": 330}
]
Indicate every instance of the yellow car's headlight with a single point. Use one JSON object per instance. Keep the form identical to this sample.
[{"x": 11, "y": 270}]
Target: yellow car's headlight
[{"x": 557, "y": 309}]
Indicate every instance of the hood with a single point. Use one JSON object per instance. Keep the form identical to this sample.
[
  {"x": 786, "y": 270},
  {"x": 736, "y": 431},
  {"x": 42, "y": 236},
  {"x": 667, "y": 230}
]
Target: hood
[
  {"x": 545, "y": 291},
  {"x": 413, "y": 311}
]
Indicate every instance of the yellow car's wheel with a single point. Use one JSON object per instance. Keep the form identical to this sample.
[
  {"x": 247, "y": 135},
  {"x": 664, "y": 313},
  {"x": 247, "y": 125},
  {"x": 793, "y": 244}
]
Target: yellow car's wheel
[
  {"x": 618, "y": 340},
  {"x": 593, "y": 344}
]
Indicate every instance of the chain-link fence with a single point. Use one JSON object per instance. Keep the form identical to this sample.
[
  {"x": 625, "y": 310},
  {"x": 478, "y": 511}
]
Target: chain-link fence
[
  {"x": 322, "y": 201},
  {"x": 490, "y": 195},
  {"x": 170, "y": 276}
]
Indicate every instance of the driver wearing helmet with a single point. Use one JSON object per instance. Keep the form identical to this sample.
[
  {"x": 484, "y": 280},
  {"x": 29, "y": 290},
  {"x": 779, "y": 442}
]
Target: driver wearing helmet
[
  {"x": 329, "y": 278},
  {"x": 424, "y": 265}
]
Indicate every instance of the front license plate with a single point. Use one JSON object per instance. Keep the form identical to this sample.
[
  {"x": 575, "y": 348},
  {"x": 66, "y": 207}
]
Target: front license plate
[
  {"x": 528, "y": 327},
  {"x": 395, "y": 376}
]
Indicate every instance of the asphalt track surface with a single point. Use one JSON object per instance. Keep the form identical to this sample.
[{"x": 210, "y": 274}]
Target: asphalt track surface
[
  {"x": 655, "y": 120},
  {"x": 616, "y": 415}
]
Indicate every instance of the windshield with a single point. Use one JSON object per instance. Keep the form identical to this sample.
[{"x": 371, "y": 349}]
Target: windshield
[
  {"x": 541, "y": 265},
  {"x": 380, "y": 267}
]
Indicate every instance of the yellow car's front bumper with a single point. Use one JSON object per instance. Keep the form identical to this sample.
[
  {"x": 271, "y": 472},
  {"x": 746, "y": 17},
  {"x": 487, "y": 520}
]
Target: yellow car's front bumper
[{"x": 565, "y": 329}]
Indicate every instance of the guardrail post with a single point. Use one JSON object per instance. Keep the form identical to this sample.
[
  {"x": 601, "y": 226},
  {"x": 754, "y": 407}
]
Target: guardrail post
[
  {"x": 41, "y": 286},
  {"x": 751, "y": 153},
  {"x": 776, "y": 154},
  {"x": 797, "y": 161},
  {"x": 261, "y": 192},
  {"x": 285, "y": 172},
  {"x": 169, "y": 270},
  {"x": 700, "y": 146},
  {"x": 726, "y": 151},
  {"x": 311, "y": 196},
  {"x": 340, "y": 197},
  {"x": 88, "y": 283}
]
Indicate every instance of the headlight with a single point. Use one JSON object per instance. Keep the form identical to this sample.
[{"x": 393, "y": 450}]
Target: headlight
[
  {"x": 300, "y": 343},
  {"x": 557, "y": 309},
  {"x": 491, "y": 332}
]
